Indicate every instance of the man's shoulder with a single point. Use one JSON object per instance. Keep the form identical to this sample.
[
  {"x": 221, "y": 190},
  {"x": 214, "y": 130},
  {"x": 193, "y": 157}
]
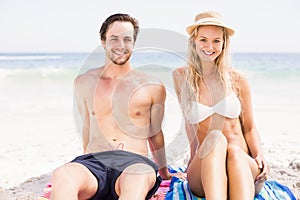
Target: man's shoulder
[
  {"x": 148, "y": 81},
  {"x": 147, "y": 77},
  {"x": 87, "y": 77}
]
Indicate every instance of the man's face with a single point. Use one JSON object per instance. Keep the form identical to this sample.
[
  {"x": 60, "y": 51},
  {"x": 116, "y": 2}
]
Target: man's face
[{"x": 119, "y": 42}]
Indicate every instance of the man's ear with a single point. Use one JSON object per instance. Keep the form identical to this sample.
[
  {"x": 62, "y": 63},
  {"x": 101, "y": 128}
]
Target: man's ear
[{"x": 103, "y": 44}]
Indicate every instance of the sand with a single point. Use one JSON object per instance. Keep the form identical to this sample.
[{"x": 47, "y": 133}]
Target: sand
[
  {"x": 287, "y": 175},
  {"x": 281, "y": 151}
]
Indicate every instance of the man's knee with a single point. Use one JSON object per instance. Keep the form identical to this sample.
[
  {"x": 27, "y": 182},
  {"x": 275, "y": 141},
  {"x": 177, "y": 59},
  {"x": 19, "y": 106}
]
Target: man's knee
[
  {"x": 76, "y": 179},
  {"x": 141, "y": 172},
  {"x": 137, "y": 179},
  {"x": 69, "y": 173},
  {"x": 60, "y": 174},
  {"x": 138, "y": 168},
  {"x": 214, "y": 139}
]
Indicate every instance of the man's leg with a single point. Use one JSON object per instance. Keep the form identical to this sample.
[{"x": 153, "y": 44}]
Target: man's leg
[
  {"x": 135, "y": 182},
  {"x": 73, "y": 181}
]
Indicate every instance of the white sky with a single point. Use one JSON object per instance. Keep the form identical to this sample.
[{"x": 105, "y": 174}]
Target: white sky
[{"x": 73, "y": 25}]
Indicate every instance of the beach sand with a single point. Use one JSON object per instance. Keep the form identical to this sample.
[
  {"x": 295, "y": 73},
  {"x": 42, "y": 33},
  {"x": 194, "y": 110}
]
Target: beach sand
[{"x": 280, "y": 146}]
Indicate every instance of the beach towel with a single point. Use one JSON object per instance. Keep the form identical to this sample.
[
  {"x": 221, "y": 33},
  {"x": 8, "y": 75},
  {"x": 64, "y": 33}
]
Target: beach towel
[
  {"x": 46, "y": 193},
  {"x": 271, "y": 190},
  {"x": 159, "y": 195},
  {"x": 177, "y": 189},
  {"x": 162, "y": 190}
]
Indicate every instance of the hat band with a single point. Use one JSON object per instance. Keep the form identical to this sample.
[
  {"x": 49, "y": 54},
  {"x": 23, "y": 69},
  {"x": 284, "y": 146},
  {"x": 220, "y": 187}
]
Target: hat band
[{"x": 209, "y": 20}]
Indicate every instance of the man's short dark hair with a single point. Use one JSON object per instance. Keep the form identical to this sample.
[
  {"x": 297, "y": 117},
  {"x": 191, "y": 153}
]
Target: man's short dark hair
[{"x": 122, "y": 18}]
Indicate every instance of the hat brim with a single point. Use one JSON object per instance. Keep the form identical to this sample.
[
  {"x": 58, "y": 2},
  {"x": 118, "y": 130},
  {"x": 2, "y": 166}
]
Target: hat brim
[{"x": 190, "y": 29}]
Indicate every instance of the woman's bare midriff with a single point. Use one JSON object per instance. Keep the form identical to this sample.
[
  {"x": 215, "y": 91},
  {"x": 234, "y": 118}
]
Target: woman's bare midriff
[{"x": 231, "y": 130}]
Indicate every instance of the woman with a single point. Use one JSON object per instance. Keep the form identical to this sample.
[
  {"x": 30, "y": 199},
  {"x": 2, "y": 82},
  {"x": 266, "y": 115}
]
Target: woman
[{"x": 226, "y": 154}]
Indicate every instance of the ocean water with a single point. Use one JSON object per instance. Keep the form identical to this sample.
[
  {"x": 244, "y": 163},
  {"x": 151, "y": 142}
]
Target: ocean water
[
  {"x": 36, "y": 101},
  {"x": 26, "y": 75}
]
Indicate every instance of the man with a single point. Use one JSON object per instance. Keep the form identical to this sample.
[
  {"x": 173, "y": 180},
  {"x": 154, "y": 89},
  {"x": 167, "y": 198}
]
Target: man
[{"x": 121, "y": 109}]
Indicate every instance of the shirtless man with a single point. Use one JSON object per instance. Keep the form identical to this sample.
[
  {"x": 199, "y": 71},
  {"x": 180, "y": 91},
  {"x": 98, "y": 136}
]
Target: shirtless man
[{"x": 121, "y": 110}]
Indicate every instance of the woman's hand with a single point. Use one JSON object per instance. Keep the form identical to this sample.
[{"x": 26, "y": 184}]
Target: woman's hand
[
  {"x": 264, "y": 169},
  {"x": 180, "y": 175}
]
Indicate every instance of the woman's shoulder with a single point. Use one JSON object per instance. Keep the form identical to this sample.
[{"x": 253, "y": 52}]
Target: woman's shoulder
[
  {"x": 237, "y": 76},
  {"x": 179, "y": 71},
  {"x": 240, "y": 81}
]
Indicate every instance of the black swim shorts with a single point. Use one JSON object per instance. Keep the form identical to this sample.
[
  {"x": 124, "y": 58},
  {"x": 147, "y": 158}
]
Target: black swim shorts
[{"x": 107, "y": 167}]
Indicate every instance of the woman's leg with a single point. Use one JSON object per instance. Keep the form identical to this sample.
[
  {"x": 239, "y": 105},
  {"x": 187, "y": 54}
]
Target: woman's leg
[
  {"x": 242, "y": 171},
  {"x": 207, "y": 171}
]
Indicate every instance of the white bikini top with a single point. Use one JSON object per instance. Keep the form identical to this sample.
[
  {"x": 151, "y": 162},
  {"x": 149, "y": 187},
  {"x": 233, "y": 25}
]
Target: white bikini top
[{"x": 229, "y": 107}]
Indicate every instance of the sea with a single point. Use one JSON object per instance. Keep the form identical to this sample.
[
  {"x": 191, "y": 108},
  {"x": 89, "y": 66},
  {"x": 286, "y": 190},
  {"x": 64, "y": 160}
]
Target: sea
[
  {"x": 31, "y": 80},
  {"x": 36, "y": 101}
]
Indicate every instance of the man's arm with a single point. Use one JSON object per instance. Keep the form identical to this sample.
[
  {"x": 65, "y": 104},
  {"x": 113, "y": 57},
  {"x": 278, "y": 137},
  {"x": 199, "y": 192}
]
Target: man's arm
[
  {"x": 156, "y": 144},
  {"x": 81, "y": 106},
  {"x": 156, "y": 139}
]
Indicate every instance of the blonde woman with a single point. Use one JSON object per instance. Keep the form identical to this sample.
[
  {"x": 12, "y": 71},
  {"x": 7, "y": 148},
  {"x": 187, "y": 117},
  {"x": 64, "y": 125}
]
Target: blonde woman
[{"x": 226, "y": 153}]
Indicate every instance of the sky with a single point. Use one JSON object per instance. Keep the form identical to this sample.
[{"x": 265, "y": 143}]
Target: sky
[{"x": 73, "y": 25}]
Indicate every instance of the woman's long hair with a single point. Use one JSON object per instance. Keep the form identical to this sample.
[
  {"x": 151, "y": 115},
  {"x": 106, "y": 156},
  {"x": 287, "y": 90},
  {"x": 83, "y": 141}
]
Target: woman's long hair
[{"x": 194, "y": 73}]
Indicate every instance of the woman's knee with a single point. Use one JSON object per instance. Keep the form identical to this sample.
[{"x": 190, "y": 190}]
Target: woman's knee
[{"x": 234, "y": 153}]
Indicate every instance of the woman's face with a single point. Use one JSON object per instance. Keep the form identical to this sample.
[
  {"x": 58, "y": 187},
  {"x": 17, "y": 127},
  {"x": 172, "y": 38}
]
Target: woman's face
[{"x": 209, "y": 42}]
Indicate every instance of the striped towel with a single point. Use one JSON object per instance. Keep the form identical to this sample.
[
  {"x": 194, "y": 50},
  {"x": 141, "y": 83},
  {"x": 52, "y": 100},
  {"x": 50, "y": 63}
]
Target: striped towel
[
  {"x": 178, "y": 189},
  {"x": 272, "y": 190}
]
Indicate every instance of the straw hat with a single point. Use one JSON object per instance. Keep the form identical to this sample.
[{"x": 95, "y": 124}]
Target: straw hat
[{"x": 209, "y": 18}]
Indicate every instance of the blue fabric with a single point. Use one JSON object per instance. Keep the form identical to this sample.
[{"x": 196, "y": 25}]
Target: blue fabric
[{"x": 272, "y": 190}]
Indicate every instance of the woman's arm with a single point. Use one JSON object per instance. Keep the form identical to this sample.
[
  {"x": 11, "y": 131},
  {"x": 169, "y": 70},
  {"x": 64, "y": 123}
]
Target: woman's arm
[
  {"x": 178, "y": 80},
  {"x": 249, "y": 129}
]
